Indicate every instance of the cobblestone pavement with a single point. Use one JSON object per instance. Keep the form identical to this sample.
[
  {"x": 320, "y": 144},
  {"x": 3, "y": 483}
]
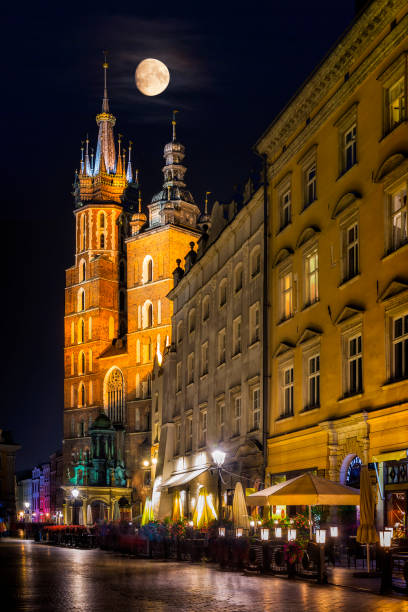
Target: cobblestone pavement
[{"x": 37, "y": 577}]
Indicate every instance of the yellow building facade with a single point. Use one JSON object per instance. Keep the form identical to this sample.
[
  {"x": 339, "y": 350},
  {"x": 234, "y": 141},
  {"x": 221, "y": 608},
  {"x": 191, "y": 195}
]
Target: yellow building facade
[{"x": 338, "y": 265}]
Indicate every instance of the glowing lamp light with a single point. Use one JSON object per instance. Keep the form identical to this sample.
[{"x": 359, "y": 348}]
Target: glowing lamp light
[
  {"x": 190, "y": 524},
  {"x": 385, "y": 539},
  {"x": 218, "y": 457},
  {"x": 75, "y": 493},
  {"x": 221, "y": 531},
  {"x": 320, "y": 536},
  {"x": 278, "y": 532},
  {"x": 334, "y": 532},
  {"x": 391, "y": 530},
  {"x": 154, "y": 460},
  {"x": 252, "y": 523},
  {"x": 265, "y": 534},
  {"x": 26, "y": 504},
  {"x": 146, "y": 463},
  {"x": 291, "y": 535},
  {"x": 239, "y": 533},
  {"x": 259, "y": 523}
]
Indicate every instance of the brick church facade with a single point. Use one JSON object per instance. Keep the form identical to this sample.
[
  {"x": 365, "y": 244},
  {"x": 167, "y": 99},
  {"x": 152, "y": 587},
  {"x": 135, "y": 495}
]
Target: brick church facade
[{"x": 117, "y": 320}]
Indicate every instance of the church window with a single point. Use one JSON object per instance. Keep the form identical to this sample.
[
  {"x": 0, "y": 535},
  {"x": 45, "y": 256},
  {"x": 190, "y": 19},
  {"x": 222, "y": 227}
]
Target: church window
[
  {"x": 206, "y": 308},
  {"x": 223, "y": 293},
  {"x": 81, "y": 300},
  {"x": 102, "y": 241},
  {"x": 83, "y": 232},
  {"x": 90, "y": 358},
  {"x": 148, "y": 388},
  {"x": 102, "y": 221},
  {"x": 82, "y": 271},
  {"x": 115, "y": 396},
  {"x": 238, "y": 278},
  {"x": 81, "y": 363},
  {"x": 81, "y": 331},
  {"x": 111, "y": 328},
  {"x": 255, "y": 265},
  {"x": 147, "y": 314},
  {"x": 81, "y": 395},
  {"x": 147, "y": 269}
]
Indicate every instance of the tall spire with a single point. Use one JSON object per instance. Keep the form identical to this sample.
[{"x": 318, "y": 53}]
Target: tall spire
[
  {"x": 81, "y": 165},
  {"x": 119, "y": 168},
  {"x": 129, "y": 164},
  {"x": 174, "y": 125},
  {"x": 105, "y": 120},
  {"x": 207, "y": 193},
  {"x": 88, "y": 170}
]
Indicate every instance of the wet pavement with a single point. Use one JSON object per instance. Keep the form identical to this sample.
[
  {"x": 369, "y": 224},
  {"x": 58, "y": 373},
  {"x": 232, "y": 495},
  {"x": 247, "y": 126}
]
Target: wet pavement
[{"x": 36, "y": 577}]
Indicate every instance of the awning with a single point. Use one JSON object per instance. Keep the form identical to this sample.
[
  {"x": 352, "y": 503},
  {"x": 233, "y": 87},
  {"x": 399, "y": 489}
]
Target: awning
[
  {"x": 392, "y": 456},
  {"x": 181, "y": 479}
]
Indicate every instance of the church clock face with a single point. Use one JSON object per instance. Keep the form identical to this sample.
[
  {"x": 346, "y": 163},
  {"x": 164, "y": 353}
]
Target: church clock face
[{"x": 353, "y": 473}]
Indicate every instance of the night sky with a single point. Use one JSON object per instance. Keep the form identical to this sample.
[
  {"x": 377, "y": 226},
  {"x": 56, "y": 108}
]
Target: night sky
[{"x": 232, "y": 70}]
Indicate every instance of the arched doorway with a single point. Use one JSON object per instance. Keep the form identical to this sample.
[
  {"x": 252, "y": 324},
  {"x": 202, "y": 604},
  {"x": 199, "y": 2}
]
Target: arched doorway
[
  {"x": 350, "y": 471},
  {"x": 99, "y": 511}
]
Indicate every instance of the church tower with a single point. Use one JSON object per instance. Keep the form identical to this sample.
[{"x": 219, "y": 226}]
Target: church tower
[{"x": 118, "y": 320}]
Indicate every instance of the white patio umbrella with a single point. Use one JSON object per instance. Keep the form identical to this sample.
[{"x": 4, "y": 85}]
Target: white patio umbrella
[
  {"x": 116, "y": 512},
  {"x": 306, "y": 490},
  {"x": 239, "y": 508}
]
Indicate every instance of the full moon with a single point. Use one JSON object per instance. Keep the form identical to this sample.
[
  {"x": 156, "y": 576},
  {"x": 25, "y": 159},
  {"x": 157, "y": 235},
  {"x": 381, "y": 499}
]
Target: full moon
[{"x": 152, "y": 77}]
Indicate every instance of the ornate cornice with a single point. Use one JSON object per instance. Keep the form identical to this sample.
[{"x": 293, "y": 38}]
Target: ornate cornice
[{"x": 330, "y": 73}]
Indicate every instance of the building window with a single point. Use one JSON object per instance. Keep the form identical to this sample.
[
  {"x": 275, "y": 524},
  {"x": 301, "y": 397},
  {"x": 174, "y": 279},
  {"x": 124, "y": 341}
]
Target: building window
[
  {"x": 178, "y": 439},
  {"x": 287, "y": 391},
  {"x": 311, "y": 278},
  {"x": 178, "y": 376},
  {"x": 191, "y": 321},
  {"x": 286, "y": 295},
  {"x": 313, "y": 382},
  {"x": 82, "y": 270},
  {"x": 236, "y": 425},
  {"x": 190, "y": 368},
  {"x": 223, "y": 293},
  {"x": 81, "y": 363},
  {"x": 203, "y": 428},
  {"x": 148, "y": 386},
  {"x": 285, "y": 208},
  {"x": 189, "y": 433},
  {"x": 351, "y": 251},
  {"x": 147, "y": 273},
  {"x": 395, "y": 104},
  {"x": 398, "y": 218},
  {"x": 221, "y": 346},
  {"x": 179, "y": 332},
  {"x": 254, "y": 323},
  {"x": 255, "y": 262},
  {"x": 102, "y": 241},
  {"x": 221, "y": 420},
  {"x": 147, "y": 315},
  {"x": 309, "y": 178},
  {"x": 349, "y": 147},
  {"x": 400, "y": 347},
  {"x": 81, "y": 395},
  {"x": 81, "y": 300},
  {"x": 204, "y": 359},
  {"x": 115, "y": 396},
  {"x": 206, "y": 308},
  {"x": 236, "y": 336},
  {"x": 256, "y": 408},
  {"x": 238, "y": 278},
  {"x": 81, "y": 331},
  {"x": 354, "y": 365},
  {"x": 102, "y": 222}
]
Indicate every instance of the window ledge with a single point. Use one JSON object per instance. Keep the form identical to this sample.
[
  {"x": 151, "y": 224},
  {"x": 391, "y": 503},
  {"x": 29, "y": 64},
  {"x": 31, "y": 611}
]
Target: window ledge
[
  {"x": 235, "y": 436},
  {"x": 236, "y": 355},
  {"x": 254, "y": 276},
  {"x": 401, "y": 249},
  {"x": 347, "y": 398},
  {"x": 190, "y": 384},
  {"x": 346, "y": 171},
  {"x": 310, "y": 305},
  {"x": 289, "y": 417},
  {"x": 307, "y": 205},
  {"x": 282, "y": 229},
  {"x": 220, "y": 365},
  {"x": 252, "y": 431},
  {"x": 394, "y": 383},
  {"x": 237, "y": 292},
  {"x": 282, "y": 321},
  {"x": 254, "y": 344},
  {"x": 178, "y": 392},
  {"x": 309, "y": 410},
  {"x": 204, "y": 376},
  {"x": 349, "y": 281},
  {"x": 404, "y": 122}
]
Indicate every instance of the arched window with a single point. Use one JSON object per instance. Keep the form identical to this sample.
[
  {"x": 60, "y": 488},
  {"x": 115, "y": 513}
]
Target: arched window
[
  {"x": 82, "y": 270},
  {"x": 122, "y": 272},
  {"x": 81, "y": 395},
  {"x": 191, "y": 321},
  {"x": 179, "y": 332},
  {"x": 81, "y": 363},
  {"x": 122, "y": 301},
  {"x": 147, "y": 269},
  {"x": 147, "y": 314},
  {"x": 115, "y": 396},
  {"x": 102, "y": 221},
  {"x": 255, "y": 261},
  {"x": 138, "y": 351},
  {"x": 149, "y": 350},
  {"x": 111, "y": 328},
  {"x": 238, "y": 278},
  {"x": 223, "y": 293},
  {"x": 81, "y": 331},
  {"x": 81, "y": 300},
  {"x": 206, "y": 308},
  {"x": 149, "y": 385},
  {"x": 102, "y": 241}
]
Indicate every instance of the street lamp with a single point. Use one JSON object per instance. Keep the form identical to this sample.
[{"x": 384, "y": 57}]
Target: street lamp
[
  {"x": 219, "y": 458},
  {"x": 75, "y": 493},
  {"x": 27, "y": 505}
]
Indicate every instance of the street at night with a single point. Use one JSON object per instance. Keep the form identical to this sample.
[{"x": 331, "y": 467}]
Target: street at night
[{"x": 38, "y": 577}]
